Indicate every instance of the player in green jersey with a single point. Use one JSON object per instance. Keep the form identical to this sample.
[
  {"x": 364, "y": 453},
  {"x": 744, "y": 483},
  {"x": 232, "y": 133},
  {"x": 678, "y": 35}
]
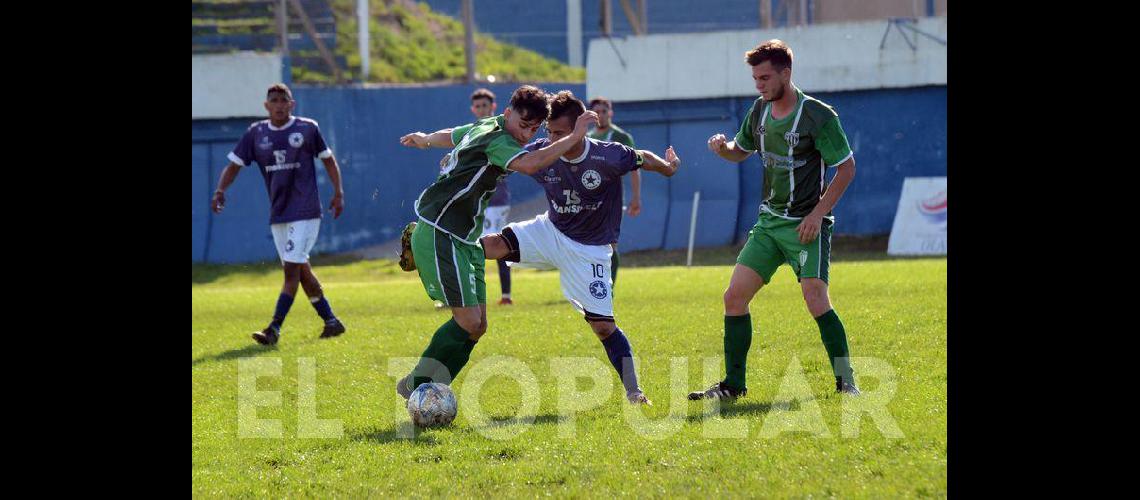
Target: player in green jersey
[
  {"x": 445, "y": 240},
  {"x": 798, "y": 138},
  {"x": 608, "y": 131}
]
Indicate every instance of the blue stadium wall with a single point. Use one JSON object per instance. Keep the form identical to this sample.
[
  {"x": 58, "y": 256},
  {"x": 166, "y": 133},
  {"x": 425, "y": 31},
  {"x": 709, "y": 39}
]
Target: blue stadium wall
[
  {"x": 895, "y": 133},
  {"x": 381, "y": 178}
]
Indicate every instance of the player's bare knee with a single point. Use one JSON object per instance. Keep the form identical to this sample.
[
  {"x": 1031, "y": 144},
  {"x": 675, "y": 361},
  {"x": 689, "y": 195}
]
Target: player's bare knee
[
  {"x": 603, "y": 329},
  {"x": 815, "y": 296},
  {"x": 292, "y": 272},
  {"x": 477, "y": 332},
  {"x": 470, "y": 325},
  {"x": 818, "y": 306},
  {"x": 493, "y": 246},
  {"x": 735, "y": 303}
]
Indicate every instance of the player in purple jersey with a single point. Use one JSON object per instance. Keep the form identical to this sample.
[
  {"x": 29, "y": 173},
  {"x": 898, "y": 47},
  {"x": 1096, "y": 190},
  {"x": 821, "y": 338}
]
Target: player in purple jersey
[
  {"x": 574, "y": 235},
  {"x": 283, "y": 148}
]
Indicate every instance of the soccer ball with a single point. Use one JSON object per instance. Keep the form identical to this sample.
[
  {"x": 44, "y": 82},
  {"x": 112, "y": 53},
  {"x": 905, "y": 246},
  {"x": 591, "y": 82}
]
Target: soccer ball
[{"x": 432, "y": 405}]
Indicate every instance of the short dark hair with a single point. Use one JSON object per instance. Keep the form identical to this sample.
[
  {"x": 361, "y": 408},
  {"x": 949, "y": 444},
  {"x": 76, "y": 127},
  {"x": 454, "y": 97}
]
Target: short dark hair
[
  {"x": 279, "y": 87},
  {"x": 601, "y": 100},
  {"x": 530, "y": 102},
  {"x": 483, "y": 94},
  {"x": 774, "y": 50},
  {"x": 565, "y": 104}
]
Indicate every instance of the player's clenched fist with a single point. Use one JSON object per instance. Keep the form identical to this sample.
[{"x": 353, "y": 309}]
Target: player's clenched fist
[
  {"x": 218, "y": 202},
  {"x": 716, "y": 143},
  {"x": 415, "y": 140},
  {"x": 584, "y": 121}
]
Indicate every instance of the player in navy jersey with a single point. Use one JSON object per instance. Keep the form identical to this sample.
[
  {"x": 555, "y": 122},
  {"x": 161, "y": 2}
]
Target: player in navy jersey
[
  {"x": 574, "y": 235},
  {"x": 283, "y": 148}
]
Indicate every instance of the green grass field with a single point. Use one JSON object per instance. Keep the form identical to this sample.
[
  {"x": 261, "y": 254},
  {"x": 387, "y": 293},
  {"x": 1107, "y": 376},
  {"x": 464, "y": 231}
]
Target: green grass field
[{"x": 894, "y": 311}]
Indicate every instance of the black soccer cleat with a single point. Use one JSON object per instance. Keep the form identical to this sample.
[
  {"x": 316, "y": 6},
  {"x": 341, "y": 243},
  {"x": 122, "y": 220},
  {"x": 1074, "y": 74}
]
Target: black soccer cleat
[
  {"x": 846, "y": 386},
  {"x": 268, "y": 336},
  {"x": 332, "y": 329},
  {"x": 403, "y": 386},
  {"x": 719, "y": 390}
]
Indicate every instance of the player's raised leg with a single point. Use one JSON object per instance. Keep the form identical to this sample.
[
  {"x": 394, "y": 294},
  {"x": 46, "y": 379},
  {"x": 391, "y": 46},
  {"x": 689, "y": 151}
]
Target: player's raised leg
[
  {"x": 316, "y": 294},
  {"x": 499, "y": 247}
]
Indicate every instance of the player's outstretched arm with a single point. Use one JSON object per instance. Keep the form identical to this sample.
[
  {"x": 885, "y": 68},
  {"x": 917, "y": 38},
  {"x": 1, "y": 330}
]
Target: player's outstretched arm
[
  {"x": 727, "y": 149},
  {"x": 537, "y": 160},
  {"x": 437, "y": 139},
  {"x": 667, "y": 166},
  {"x": 218, "y": 202}
]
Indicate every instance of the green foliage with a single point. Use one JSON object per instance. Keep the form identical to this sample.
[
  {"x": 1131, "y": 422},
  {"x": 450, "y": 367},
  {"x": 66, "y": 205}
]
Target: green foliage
[{"x": 410, "y": 43}]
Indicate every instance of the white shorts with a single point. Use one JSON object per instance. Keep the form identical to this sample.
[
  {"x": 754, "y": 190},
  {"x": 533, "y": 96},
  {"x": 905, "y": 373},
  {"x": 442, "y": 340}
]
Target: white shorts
[
  {"x": 494, "y": 219},
  {"x": 584, "y": 269},
  {"x": 295, "y": 239}
]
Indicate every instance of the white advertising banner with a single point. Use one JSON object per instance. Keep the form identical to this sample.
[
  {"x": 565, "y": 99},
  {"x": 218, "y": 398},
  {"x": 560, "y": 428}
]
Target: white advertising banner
[{"x": 920, "y": 222}]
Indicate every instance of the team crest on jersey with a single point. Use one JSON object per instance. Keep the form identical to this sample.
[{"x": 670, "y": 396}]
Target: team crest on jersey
[
  {"x": 591, "y": 179},
  {"x": 265, "y": 144},
  {"x": 792, "y": 138},
  {"x": 296, "y": 139},
  {"x": 803, "y": 257},
  {"x": 598, "y": 290}
]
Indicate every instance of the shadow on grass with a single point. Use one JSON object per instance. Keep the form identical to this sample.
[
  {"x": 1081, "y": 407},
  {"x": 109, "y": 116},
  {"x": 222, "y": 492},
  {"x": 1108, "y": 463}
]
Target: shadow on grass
[
  {"x": 751, "y": 408},
  {"x": 406, "y": 432},
  {"x": 544, "y": 419},
  {"x": 403, "y": 432},
  {"x": 247, "y": 351},
  {"x": 844, "y": 249},
  {"x": 202, "y": 273}
]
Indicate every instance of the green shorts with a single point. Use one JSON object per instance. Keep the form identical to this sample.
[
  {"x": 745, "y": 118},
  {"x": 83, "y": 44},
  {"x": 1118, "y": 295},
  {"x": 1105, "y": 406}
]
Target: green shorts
[
  {"x": 450, "y": 269},
  {"x": 774, "y": 241}
]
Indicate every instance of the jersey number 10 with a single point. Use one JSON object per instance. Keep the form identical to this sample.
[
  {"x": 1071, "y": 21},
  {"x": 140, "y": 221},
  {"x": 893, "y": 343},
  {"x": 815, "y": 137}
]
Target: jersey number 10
[{"x": 599, "y": 270}]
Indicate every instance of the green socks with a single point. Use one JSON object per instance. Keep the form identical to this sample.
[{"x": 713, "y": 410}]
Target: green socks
[
  {"x": 737, "y": 340},
  {"x": 456, "y": 363},
  {"x": 451, "y": 347},
  {"x": 835, "y": 341}
]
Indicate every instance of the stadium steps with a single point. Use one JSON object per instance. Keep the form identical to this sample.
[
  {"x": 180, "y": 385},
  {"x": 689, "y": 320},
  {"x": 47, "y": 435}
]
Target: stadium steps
[{"x": 221, "y": 26}]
